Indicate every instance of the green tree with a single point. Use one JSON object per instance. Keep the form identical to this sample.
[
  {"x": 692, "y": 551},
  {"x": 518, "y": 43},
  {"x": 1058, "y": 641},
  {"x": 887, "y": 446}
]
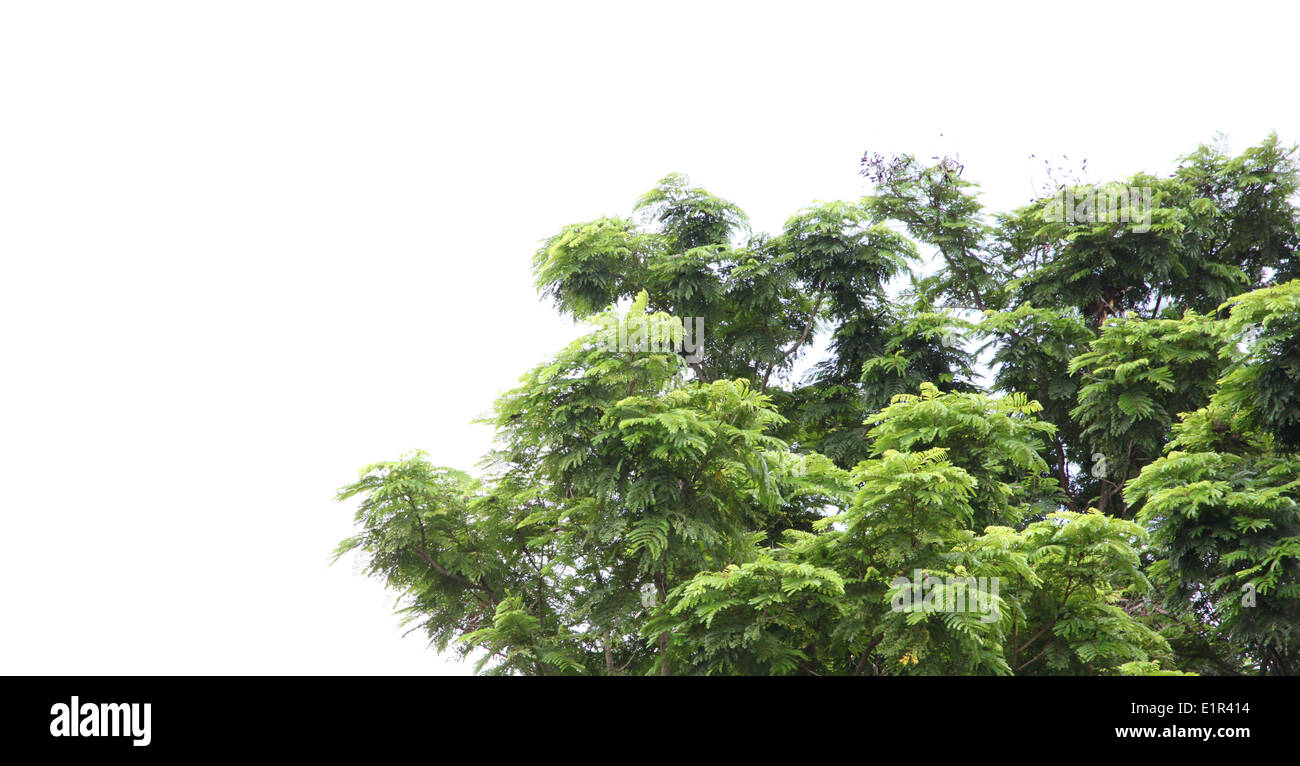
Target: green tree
[
  {"x": 1070, "y": 449},
  {"x": 1224, "y": 501}
]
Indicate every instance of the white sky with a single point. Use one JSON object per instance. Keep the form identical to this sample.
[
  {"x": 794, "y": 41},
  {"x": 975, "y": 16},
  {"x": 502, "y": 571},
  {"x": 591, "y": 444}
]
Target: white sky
[{"x": 248, "y": 247}]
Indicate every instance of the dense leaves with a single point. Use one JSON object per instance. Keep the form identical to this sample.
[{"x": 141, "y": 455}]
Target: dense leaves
[{"x": 917, "y": 440}]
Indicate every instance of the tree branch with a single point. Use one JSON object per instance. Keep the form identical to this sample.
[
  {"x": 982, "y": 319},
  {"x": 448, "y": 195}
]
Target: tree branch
[{"x": 807, "y": 327}]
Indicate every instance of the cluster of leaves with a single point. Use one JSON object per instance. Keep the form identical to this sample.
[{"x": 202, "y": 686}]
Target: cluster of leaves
[
  {"x": 1123, "y": 496},
  {"x": 1224, "y": 500}
]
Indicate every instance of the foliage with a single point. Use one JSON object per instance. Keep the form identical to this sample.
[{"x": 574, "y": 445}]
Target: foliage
[
  {"x": 1071, "y": 448},
  {"x": 1224, "y": 502},
  {"x": 1139, "y": 374}
]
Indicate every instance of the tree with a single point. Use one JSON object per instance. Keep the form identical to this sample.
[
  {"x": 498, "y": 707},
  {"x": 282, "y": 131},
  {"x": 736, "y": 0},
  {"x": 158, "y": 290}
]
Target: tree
[
  {"x": 1223, "y": 501},
  {"x": 1096, "y": 507}
]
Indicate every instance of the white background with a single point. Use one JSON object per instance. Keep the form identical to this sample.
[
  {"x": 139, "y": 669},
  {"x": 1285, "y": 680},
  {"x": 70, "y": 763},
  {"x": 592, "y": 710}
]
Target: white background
[{"x": 248, "y": 247}]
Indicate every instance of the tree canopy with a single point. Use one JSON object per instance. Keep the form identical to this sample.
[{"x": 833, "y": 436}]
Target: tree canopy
[{"x": 917, "y": 439}]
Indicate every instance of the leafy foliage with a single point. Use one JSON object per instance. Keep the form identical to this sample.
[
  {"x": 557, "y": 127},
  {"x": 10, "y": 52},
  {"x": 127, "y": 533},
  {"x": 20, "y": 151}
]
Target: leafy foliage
[
  {"x": 830, "y": 486},
  {"x": 1139, "y": 375}
]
